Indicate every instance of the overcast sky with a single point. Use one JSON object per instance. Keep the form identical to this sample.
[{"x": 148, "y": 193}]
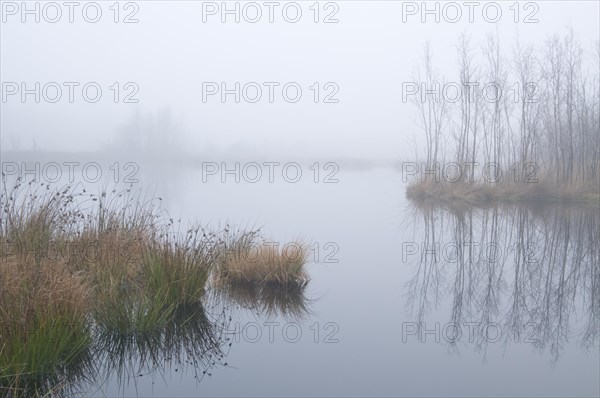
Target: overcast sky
[{"x": 170, "y": 52}]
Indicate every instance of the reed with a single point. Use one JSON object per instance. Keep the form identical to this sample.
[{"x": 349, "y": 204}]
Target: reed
[
  {"x": 77, "y": 266},
  {"x": 43, "y": 325},
  {"x": 254, "y": 261}
]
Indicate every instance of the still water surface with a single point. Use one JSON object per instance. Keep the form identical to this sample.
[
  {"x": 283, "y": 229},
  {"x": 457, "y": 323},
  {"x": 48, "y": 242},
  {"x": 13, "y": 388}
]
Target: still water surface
[{"x": 507, "y": 305}]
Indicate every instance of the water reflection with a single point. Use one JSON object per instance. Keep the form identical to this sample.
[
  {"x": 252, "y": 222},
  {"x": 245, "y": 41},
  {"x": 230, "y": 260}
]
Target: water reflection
[
  {"x": 289, "y": 301},
  {"x": 531, "y": 272},
  {"x": 194, "y": 340},
  {"x": 66, "y": 379},
  {"x": 197, "y": 340}
]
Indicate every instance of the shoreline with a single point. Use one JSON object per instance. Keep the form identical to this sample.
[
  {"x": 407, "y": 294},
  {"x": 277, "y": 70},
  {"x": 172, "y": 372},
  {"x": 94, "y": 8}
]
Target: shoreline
[{"x": 485, "y": 194}]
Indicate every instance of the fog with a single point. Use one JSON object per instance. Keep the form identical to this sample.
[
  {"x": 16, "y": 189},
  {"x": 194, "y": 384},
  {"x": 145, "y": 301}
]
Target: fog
[
  {"x": 170, "y": 55},
  {"x": 152, "y": 151}
]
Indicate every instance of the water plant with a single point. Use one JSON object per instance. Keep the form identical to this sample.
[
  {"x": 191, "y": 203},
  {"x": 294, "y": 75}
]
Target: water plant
[
  {"x": 248, "y": 258},
  {"x": 86, "y": 275}
]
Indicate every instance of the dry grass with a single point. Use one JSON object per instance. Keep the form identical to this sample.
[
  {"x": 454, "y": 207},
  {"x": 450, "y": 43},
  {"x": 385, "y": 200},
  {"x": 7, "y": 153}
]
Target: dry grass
[
  {"x": 43, "y": 325},
  {"x": 34, "y": 292},
  {"x": 61, "y": 251},
  {"x": 263, "y": 277},
  {"x": 76, "y": 265},
  {"x": 482, "y": 194},
  {"x": 264, "y": 264}
]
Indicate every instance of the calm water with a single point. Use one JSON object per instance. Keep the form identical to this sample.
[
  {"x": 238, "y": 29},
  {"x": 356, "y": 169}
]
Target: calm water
[{"x": 508, "y": 305}]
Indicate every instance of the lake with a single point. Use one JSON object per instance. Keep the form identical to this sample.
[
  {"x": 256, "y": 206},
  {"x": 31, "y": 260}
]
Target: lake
[{"x": 404, "y": 299}]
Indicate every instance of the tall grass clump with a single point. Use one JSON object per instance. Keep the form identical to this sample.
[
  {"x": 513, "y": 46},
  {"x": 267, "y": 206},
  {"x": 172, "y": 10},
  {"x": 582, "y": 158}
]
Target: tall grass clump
[
  {"x": 249, "y": 259},
  {"x": 79, "y": 270},
  {"x": 43, "y": 325},
  {"x": 170, "y": 271},
  {"x": 33, "y": 217},
  {"x": 181, "y": 265},
  {"x": 259, "y": 275},
  {"x": 65, "y": 256},
  {"x": 43, "y": 300}
]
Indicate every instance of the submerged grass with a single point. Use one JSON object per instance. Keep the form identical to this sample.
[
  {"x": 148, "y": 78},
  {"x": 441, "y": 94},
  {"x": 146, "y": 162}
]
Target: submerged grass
[{"x": 76, "y": 267}]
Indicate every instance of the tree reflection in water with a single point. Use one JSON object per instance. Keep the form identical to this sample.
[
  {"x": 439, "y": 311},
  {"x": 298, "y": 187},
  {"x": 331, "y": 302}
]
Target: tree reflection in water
[{"x": 534, "y": 271}]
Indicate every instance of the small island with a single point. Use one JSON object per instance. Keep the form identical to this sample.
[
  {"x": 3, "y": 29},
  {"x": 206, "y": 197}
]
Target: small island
[{"x": 489, "y": 140}]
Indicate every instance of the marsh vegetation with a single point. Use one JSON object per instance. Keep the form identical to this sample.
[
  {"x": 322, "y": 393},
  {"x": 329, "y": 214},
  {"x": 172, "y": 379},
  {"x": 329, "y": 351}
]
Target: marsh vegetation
[{"x": 89, "y": 279}]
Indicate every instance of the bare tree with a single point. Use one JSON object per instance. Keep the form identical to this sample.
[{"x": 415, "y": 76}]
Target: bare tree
[{"x": 432, "y": 109}]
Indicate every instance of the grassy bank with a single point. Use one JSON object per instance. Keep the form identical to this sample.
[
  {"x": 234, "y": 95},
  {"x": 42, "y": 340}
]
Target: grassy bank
[
  {"x": 76, "y": 268},
  {"x": 484, "y": 194}
]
